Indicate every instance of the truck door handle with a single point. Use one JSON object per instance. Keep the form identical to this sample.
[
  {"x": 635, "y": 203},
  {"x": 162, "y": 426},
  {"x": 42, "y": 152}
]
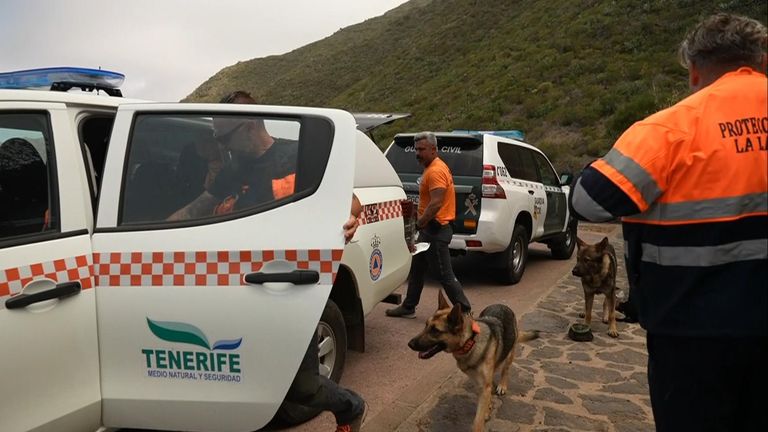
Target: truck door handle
[
  {"x": 530, "y": 192},
  {"x": 296, "y": 277},
  {"x": 62, "y": 290}
]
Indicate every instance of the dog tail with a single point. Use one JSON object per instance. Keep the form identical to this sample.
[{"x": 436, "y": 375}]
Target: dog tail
[{"x": 528, "y": 336}]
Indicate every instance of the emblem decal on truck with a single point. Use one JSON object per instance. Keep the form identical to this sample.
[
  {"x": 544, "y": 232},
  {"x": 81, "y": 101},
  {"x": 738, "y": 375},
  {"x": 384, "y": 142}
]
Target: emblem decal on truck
[
  {"x": 376, "y": 263},
  {"x": 191, "y": 364},
  {"x": 538, "y": 203},
  {"x": 471, "y": 202}
]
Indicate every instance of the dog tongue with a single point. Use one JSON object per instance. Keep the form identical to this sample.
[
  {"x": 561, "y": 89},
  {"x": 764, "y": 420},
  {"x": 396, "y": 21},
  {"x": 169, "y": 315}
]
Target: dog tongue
[{"x": 431, "y": 352}]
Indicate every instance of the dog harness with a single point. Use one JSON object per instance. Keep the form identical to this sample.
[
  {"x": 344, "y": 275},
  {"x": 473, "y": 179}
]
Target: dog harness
[{"x": 470, "y": 343}]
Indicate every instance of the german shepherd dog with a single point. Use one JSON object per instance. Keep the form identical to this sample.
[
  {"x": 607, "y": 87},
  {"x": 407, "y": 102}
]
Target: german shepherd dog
[
  {"x": 480, "y": 346},
  {"x": 596, "y": 266}
]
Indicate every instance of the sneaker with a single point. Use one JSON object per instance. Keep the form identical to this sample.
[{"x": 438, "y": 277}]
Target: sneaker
[
  {"x": 628, "y": 319},
  {"x": 356, "y": 424},
  {"x": 401, "y": 312}
]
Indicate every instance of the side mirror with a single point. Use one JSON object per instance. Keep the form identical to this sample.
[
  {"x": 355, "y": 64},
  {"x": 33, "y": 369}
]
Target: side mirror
[{"x": 566, "y": 179}]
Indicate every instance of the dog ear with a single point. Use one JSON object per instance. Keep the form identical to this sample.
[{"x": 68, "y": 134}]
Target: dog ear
[
  {"x": 580, "y": 243},
  {"x": 603, "y": 243},
  {"x": 456, "y": 317},
  {"x": 442, "y": 303}
]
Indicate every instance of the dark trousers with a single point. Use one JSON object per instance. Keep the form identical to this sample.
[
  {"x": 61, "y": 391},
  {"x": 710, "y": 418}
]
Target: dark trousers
[
  {"x": 439, "y": 258},
  {"x": 313, "y": 390},
  {"x": 708, "y": 384}
]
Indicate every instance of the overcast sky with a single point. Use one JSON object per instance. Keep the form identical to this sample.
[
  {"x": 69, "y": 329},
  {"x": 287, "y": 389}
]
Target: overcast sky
[{"x": 166, "y": 48}]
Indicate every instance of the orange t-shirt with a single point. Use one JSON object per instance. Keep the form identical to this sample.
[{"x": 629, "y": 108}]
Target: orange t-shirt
[{"x": 438, "y": 175}]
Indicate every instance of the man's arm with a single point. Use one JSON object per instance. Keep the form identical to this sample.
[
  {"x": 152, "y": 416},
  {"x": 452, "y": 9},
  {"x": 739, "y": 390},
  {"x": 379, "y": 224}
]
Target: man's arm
[
  {"x": 203, "y": 205},
  {"x": 357, "y": 208},
  {"x": 631, "y": 177},
  {"x": 596, "y": 198},
  {"x": 350, "y": 227},
  {"x": 436, "y": 198}
]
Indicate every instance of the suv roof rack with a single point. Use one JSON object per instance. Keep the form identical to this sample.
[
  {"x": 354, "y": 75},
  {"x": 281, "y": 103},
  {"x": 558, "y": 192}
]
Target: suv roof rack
[{"x": 64, "y": 79}]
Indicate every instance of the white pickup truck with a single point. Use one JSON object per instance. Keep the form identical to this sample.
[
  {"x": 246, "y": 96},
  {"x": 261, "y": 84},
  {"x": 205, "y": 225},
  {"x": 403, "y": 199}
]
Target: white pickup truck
[{"x": 112, "y": 315}]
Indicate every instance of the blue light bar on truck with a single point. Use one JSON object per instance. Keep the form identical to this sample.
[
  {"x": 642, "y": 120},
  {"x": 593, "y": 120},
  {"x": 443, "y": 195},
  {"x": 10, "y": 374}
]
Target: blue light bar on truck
[
  {"x": 514, "y": 134},
  {"x": 63, "y": 79}
]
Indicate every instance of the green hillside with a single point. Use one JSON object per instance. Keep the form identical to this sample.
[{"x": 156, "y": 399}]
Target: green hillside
[{"x": 572, "y": 74}]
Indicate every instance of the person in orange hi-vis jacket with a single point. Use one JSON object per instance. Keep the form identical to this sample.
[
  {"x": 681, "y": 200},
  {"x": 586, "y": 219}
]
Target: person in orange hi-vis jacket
[{"x": 690, "y": 183}]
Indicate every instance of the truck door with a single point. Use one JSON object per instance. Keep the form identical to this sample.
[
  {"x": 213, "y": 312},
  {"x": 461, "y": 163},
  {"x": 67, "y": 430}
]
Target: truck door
[
  {"x": 533, "y": 186},
  {"x": 219, "y": 234},
  {"x": 50, "y": 360},
  {"x": 556, "y": 205}
]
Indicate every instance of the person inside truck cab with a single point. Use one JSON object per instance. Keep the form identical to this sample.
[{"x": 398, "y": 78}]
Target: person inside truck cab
[
  {"x": 199, "y": 163},
  {"x": 260, "y": 169}
]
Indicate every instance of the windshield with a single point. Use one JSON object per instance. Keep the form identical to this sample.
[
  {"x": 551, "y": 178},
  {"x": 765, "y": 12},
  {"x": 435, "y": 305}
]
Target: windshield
[{"x": 462, "y": 154}]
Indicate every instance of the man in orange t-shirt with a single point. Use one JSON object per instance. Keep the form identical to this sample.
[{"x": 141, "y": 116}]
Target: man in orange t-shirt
[{"x": 437, "y": 208}]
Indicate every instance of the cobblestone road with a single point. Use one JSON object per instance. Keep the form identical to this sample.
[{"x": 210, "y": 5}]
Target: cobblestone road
[{"x": 556, "y": 384}]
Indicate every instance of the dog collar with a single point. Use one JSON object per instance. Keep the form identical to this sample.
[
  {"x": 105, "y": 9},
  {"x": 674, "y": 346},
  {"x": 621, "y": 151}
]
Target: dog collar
[{"x": 470, "y": 343}]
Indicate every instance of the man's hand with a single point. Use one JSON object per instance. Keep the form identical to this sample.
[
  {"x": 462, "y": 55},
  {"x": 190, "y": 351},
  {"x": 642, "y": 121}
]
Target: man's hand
[
  {"x": 203, "y": 205},
  {"x": 349, "y": 228}
]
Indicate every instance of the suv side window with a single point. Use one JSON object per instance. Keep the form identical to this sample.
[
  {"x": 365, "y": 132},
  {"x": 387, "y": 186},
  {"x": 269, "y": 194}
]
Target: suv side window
[
  {"x": 518, "y": 162},
  {"x": 28, "y": 196},
  {"x": 548, "y": 176},
  {"x": 184, "y": 167}
]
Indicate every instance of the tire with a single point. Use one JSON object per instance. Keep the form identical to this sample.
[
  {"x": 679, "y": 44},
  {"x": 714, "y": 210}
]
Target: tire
[
  {"x": 333, "y": 341},
  {"x": 515, "y": 257},
  {"x": 332, "y": 333},
  {"x": 563, "y": 246}
]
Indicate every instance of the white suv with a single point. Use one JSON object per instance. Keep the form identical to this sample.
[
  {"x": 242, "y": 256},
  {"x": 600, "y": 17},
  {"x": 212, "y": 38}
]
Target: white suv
[
  {"x": 114, "y": 316},
  {"x": 507, "y": 195}
]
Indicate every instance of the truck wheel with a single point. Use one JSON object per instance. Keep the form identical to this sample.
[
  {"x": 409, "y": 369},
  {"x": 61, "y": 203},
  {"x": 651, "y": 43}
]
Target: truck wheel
[
  {"x": 332, "y": 340},
  {"x": 563, "y": 246},
  {"x": 515, "y": 257},
  {"x": 332, "y": 332}
]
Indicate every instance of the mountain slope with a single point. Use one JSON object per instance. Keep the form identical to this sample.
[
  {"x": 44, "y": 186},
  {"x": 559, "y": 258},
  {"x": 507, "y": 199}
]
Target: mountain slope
[{"x": 572, "y": 74}]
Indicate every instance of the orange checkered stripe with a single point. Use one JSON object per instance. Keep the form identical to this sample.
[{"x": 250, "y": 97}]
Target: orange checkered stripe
[
  {"x": 381, "y": 211},
  {"x": 211, "y": 268},
  {"x": 77, "y": 268},
  {"x": 206, "y": 268}
]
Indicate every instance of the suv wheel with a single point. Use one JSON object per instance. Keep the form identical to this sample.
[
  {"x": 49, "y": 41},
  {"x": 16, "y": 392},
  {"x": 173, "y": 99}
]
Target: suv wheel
[
  {"x": 516, "y": 256},
  {"x": 562, "y": 247},
  {"x": 332, "y": 341}
]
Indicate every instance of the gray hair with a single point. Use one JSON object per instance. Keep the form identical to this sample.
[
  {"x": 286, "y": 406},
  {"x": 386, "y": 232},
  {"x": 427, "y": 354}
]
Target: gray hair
[
  {"x": 429, "y": 136},
  {"x": 725, "y": 40}
]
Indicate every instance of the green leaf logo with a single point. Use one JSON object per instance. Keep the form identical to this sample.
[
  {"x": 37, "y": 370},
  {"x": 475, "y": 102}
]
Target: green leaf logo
[{"x": 178, "y": 332}]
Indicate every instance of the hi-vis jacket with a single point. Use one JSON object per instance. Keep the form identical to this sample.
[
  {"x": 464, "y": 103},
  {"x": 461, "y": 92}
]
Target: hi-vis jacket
[{"x": 691, "y": 183}]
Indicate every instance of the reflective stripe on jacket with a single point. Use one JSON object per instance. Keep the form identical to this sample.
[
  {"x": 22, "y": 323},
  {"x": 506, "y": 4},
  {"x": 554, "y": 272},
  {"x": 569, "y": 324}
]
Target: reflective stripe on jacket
[{"x": 691, "y": 183}]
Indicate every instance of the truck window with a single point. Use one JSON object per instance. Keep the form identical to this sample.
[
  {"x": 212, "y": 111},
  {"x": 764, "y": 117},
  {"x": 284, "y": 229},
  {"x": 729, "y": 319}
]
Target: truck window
[
  {"x": 463, "y": 155},
  {"x": 28, "y": 198},
  {"x": 192, "y": 167},
  {"x": 547, "y": 174},
  {"x": 519, "y": 162}
]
